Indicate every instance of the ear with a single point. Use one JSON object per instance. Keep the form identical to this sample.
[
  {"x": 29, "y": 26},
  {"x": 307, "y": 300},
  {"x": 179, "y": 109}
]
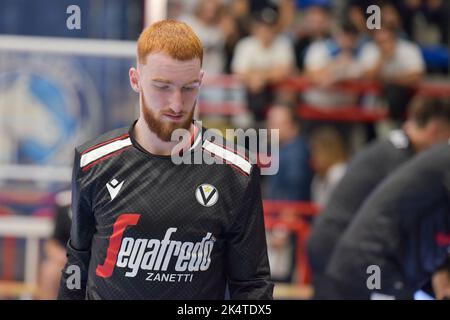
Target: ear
[
  {"x": 134, "y": 79},
  {"x": 407, "y": 125}
]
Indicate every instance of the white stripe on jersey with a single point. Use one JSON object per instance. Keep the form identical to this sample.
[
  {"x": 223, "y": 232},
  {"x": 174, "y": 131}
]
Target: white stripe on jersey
[
  {"x": 229, "y": 156},
  {"x": 102, "y": 151}
]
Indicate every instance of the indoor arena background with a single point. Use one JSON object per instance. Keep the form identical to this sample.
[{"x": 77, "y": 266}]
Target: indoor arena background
[{"x": 60, "y": 87}]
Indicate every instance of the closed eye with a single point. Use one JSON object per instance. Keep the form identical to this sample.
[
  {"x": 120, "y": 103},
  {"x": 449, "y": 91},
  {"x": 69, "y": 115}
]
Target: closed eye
[{"x": 161, "y": 87}]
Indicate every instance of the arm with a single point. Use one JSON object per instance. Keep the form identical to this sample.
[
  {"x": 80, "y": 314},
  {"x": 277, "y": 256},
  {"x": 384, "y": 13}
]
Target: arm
[
  {"x": 246, "y": 260},
  {"x": 318, "y": 64},
  {"x": 413, "y": 66},
  {"x": 408, "y": 79},
  {"x": 79, "y": 244}
]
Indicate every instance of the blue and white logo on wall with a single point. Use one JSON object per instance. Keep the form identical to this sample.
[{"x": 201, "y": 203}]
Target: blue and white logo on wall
[{"x": 48, "y": 104}]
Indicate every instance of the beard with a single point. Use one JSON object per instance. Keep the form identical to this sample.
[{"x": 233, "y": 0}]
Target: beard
[{"x": 163, "y": 128}]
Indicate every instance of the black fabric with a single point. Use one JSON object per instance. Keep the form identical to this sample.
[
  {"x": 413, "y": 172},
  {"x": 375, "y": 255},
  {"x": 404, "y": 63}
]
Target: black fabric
[
  {"x": 368, "y": 168},
  {"x": 398, "y": 99},
  {"x": 156, "y": 201},
  {"x": 61, "y": 231},
  {"x": 398, "y": 228}
]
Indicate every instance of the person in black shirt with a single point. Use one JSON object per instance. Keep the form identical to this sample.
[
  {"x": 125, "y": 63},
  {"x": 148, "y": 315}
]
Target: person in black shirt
[
  {"x": 428, "y": 123},
  {"x": 55, "y": 249},
  {"x": 144, "y": 227},
  {"x": 400, "y": 236}
]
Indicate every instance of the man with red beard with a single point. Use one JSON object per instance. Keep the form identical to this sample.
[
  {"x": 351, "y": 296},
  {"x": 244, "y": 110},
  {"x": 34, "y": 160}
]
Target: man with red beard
[{"x": 144, "y": 227}]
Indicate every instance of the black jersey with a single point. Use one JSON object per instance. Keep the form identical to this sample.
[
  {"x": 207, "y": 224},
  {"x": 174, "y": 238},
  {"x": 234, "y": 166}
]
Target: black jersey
[
  {"x": 369, "y": 167},
  {"x": 403, "y": 229},
  {"x": 146, "y": 228},
  {"x": 61, "y": 230}
]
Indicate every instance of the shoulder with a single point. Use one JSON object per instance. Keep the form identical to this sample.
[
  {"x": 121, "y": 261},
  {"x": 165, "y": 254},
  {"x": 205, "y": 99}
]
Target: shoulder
[
  {"x": 384, "y": 151},
  {"x": 369, "y": 46},
  {"x": 407, "y": 46},
  {"x": 106, "y": 145},
  {"x": 229, "y": 155},
  {"x": 318, "y": 46},
  {"x": 247, "y": 43},
  {"x": 396, "y": 142},
  {"x": 283, "y": 41},
  {"x": 436, "y": 157}
]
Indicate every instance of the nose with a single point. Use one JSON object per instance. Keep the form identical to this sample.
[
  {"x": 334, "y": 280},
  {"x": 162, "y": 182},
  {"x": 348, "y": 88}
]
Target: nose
[{"x": 176, "y": 102}]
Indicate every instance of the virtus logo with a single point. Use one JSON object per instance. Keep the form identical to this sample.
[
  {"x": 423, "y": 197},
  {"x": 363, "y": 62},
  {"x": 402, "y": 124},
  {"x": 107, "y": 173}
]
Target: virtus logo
[{"x": 207, "y": 195}]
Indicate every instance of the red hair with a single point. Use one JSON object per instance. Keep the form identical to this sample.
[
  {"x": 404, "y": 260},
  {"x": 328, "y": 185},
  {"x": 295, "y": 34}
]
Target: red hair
[{"x": 171, "y": 37}]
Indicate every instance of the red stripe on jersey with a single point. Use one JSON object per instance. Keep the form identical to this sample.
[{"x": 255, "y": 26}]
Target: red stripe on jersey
[
  {"x": 194, "y": 134},
  {"x": 122, "y": 137},
  {"x": 105, "y": 157},
  {"x": 123, "y": 221}
]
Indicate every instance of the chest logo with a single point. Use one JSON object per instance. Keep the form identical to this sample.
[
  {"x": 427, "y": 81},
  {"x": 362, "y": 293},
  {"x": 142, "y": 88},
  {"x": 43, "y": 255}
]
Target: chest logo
[
  {"x": 114, "y": 187},
  {"x": 207, "y": 195}
]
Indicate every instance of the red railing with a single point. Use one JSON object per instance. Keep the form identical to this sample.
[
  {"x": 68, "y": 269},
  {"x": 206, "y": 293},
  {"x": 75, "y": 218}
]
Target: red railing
[
  {"x": 309, "y": 112},
  {"x": 299, "y": 222}
]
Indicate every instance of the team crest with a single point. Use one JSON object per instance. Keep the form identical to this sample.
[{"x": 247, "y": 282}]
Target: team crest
[{"x": 207, "y": 195}]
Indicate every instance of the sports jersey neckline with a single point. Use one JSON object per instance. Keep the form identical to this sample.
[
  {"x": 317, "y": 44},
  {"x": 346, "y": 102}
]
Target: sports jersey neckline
[{"x": 194, "y": 140}]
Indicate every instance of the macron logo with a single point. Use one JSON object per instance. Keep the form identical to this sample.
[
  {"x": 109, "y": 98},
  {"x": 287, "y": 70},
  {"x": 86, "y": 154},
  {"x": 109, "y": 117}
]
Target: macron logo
[{"x": 114, "y": 187}]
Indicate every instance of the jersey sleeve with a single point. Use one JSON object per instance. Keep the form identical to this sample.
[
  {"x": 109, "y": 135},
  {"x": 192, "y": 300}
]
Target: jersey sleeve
[
  {"x": 247, "y": 263},
  {"x": 61, "y": 230},
  {"x": 75, "y": 273}
]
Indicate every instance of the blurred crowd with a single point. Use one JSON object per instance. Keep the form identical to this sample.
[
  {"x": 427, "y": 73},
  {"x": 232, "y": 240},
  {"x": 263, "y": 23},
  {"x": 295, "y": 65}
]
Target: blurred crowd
[
  {"x": 327, "y": 43},
  {"x": 263, "y": 42}
]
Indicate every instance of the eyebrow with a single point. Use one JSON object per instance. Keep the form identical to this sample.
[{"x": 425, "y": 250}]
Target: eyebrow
[{"x": 170, "y": 82}]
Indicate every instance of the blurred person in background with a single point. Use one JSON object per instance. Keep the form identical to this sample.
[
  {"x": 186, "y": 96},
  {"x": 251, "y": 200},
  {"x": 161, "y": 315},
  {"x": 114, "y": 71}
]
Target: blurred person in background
[
  {"x": 330, "y": 61},
  {"x": 292, "y": 182},
  {"x": 315, "y": 26},
  {"x": 396, "y": 63},
  {"x": 55, "y": 249},
  {"x": 355, "y": 13},
  {"x": 329, "y": 161},
  {"x": 206, "y": 23},
  {"x": 428, "y": 123},
  {"x": 403, "y": 230},
  {"x": 263, "y": 59},
  {"x": 235, "y": 25},
  {"x": 391, "y": 18},
  {"x": 433, "y": 12}
]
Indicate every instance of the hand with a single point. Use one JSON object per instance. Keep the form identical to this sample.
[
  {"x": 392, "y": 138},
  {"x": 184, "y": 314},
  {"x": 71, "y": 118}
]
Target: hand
[
  {"x": 387, "y": 49},
  {"x": 256, "y": 82},
  {"x": 441, "y": 284}
]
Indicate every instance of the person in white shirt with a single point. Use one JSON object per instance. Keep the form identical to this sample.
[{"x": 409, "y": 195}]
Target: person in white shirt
[
  {"x": 262, "y": 59},
  {"x": 206, "y": 24},
  {"x": 397, "y": 63},
  {"x": 330, "y": 61}
]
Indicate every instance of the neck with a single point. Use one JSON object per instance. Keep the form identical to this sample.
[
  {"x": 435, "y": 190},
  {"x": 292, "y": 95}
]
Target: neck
[
  {"x": 293, "y": 134},
  {"x": 148, "y": 140}
]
